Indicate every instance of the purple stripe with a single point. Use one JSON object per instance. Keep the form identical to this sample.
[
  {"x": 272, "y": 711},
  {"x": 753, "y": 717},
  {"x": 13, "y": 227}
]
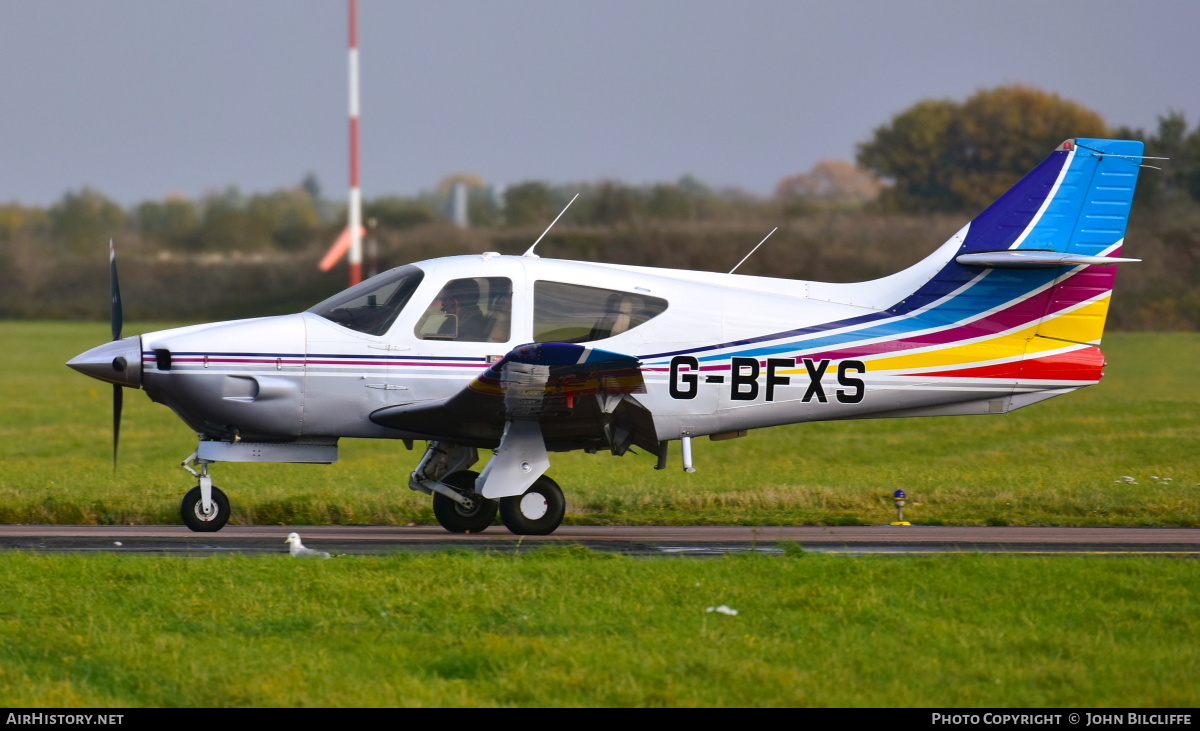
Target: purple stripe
[
  {"x": 1079, "y": 287},
  {"x": 272, "y": 356},
  {"x": 1025, "y": 312},
  {"x": 274, "y": 361}
]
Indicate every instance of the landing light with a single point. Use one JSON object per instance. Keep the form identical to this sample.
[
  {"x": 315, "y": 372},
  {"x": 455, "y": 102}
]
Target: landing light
[{"x": 900, "y": 498}]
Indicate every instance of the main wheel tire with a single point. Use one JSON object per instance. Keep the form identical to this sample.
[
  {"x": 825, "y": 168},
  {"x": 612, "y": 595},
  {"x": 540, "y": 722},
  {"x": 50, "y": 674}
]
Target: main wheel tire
[
  {"x": 194, "y": 516},
  {"x": 536, "y": 513},
  {"x": 453, "y": 516}
]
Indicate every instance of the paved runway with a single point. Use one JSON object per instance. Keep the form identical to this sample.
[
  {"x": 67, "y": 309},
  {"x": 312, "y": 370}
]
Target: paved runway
[{"x": 635, "y": 540}]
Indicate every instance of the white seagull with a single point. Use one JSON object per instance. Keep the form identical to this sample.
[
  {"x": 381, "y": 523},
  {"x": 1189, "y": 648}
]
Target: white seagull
[{"x": 299, "y": 549}]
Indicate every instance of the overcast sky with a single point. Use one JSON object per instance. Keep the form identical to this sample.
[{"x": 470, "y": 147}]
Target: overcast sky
[{"x": 144, "y": 98}]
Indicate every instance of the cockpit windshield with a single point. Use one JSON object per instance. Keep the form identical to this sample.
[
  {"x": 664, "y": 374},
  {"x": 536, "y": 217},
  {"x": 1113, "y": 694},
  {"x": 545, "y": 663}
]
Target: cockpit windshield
[{"x": 372, "y": 306}]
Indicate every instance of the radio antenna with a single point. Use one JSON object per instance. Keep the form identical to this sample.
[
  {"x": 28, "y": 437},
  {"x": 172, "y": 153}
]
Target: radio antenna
[
  {"x": 539, "y": 238},
  {"x": 747, "y": 256}
]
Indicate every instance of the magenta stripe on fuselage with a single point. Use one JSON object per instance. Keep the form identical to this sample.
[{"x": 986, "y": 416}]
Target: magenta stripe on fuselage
[{"x": 1091, "y": 280}]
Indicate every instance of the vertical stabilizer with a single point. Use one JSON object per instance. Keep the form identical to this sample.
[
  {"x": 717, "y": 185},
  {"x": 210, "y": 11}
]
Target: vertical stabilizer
[
  {"x": 1010, "y": 310},
  {"x": 1049, "y": 249}
]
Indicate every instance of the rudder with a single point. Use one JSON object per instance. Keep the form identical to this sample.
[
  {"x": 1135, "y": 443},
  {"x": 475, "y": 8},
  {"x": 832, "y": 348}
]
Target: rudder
[{"x": 1098, "y": 215}]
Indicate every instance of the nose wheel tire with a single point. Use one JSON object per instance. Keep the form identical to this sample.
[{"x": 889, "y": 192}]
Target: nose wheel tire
[
  {"x": 538, "y": 512},
  {"x": 456, "y": 518},
  {"x": 193, "y": 513}
]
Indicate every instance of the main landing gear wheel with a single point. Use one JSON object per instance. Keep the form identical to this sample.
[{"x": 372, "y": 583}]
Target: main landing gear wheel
[
  {"x": 536, "y": 513},
  {"x": 456, "y": 518},
  {"x": 193, "y": 513}
]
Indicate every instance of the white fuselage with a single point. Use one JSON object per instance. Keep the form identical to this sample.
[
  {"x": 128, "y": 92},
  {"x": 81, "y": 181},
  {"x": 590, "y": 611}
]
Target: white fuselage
[{"x": 304, "y": 376}]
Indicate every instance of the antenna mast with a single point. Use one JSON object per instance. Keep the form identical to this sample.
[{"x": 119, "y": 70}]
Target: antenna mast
[
  {"x": 355, "y": 227},
  {"x": 747, "y": 256},
  {"x": 539, "y": 238}
]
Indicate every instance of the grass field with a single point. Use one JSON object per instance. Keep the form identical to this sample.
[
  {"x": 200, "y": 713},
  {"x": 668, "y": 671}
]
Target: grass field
[
  {"x": 1063, "y": 462},
  {"x": 572, "y": 628}
]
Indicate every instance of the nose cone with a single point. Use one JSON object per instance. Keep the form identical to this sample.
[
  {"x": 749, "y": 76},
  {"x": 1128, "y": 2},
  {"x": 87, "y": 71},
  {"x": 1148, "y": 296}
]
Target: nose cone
[{"x": 118, "y": 362}]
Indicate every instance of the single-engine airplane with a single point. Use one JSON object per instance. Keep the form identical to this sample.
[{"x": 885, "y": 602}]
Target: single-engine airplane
[{"x": 527, "y": 356}]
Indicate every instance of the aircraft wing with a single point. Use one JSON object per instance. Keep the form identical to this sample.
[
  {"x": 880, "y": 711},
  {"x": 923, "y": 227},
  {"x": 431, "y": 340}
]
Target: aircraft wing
[{"x": 580, "y": 397}]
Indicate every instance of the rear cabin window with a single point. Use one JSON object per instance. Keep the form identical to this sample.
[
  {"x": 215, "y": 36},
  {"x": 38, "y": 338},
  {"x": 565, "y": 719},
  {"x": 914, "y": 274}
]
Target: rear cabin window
[
  {"x": 572, "y": 313},
  {"x": 475, "y": 310}
]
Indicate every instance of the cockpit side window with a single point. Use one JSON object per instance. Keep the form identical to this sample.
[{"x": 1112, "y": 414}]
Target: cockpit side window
[
  {"x": 572, "y": 313},
  {"x": 372, "y": 306},
  {"x": 475, "y": 310}
]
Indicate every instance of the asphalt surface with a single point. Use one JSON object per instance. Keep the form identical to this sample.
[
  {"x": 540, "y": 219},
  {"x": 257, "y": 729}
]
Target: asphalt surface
[{"x": 633, "y": 540}]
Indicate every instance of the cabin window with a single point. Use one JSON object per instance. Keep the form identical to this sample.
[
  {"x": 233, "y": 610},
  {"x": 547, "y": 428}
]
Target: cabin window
[
  {"x": 372, "y": 306},
  {"x": 475, "y": 310},
  {"x": 572, "y": 313}
]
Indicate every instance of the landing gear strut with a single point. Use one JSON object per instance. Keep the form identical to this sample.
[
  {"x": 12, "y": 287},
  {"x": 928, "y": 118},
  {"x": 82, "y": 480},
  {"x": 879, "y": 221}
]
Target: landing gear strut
[{"x": 205, "y": 508}]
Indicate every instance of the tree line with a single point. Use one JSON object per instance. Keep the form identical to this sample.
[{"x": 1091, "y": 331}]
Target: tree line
[
  {"x": 943, "y": 155},
  {"x": 917, "y": 180}
]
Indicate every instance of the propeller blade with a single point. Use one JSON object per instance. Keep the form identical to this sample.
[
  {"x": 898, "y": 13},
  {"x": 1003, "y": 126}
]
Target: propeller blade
[
  {"x": 118, "y": 402},
  {"x": 118, "y": 316}
]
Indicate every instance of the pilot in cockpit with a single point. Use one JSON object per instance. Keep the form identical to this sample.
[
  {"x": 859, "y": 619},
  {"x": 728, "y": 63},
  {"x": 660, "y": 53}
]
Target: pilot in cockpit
[{"x": 461, "y": 299}]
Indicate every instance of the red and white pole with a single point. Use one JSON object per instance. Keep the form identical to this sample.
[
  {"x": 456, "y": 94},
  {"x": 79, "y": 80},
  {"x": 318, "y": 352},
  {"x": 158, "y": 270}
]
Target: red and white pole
[{"x": 355, "y": 189}]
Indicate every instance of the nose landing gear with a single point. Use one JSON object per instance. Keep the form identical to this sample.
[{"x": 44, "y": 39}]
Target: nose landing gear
[{"x": 205, "y": 508}]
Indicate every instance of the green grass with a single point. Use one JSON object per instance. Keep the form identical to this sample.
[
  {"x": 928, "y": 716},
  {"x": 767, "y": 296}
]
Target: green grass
[
  {"x": 569, "y": 627},
  {"x": 1056, "y": 463}
]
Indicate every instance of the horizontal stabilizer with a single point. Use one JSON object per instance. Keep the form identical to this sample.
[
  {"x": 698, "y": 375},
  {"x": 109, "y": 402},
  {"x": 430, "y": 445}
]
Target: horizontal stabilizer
[{"x": 1034, "y": 259}]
